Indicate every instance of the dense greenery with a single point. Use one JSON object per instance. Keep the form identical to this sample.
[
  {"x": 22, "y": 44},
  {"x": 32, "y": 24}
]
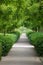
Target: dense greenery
[
  {"x": 39, "y": 45},
  {"x": 9, "y": 15},
  {"x": 36, "y": 38},
  {"x": 16, "y": 13},
  {"x": 7, "y": 41},
  {"x": 0, "y": 51},
  {"x": 34, "y": 35},
  {"x": 34, "y": 14}
]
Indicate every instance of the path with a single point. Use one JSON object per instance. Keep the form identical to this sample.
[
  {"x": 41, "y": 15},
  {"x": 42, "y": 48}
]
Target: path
[{"x": 22, "y": 53}]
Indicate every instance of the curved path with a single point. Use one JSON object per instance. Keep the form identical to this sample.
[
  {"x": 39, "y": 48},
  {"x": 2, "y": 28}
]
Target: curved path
[{"x": 22, "y": 53}]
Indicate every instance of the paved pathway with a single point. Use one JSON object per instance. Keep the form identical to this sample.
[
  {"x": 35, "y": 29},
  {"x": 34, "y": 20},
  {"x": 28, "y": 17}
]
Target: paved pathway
[{"x": 22, "y": 53}]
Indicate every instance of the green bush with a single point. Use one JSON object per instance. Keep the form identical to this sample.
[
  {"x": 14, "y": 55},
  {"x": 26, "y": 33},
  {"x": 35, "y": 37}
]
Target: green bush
[
  {"x": 39, "y": 45},
  {"x": 36, "y": 38},
  {"x": 0, "y": 50},
  {"x": 6, "y": 46},
  {"x": 33, "y": 36},
  {"x": 7, "y": 41},
  {"x": 29, "y": 33},
  {"x": 17, "y": 34}
]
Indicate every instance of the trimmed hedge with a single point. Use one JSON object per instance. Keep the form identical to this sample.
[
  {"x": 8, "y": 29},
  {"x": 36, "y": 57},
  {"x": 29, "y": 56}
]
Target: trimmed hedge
[
  {"x": 34, "y": 35},
  {"x": 0, "y": 51},
  {"x": 18, "y": 34},
  {"x": 36, "y": 38},
  {"x": 7, "y": 41},
  {"x": 39, "y": 45}
]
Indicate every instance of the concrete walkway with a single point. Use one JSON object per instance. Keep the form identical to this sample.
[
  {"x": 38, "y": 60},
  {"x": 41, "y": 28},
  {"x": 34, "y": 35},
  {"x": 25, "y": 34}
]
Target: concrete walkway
[{"x": 22, "y": 53}]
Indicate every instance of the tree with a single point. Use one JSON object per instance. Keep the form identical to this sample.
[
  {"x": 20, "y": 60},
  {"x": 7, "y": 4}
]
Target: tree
[
  {"x": 9, "y": 15},
  {"x": 16, "y": 13},
  {"x": 34, "y": 14}
]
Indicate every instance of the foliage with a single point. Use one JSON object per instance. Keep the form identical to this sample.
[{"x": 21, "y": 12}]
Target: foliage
[
  {"x": 17, "y": 33},
  {"x": 0, "y": 50},
  {"x": 28, "y": 31},
  {"x": 39, "y": 45},
  {"x": 33, "y": 36},
  {"x": 9, "y": 15},
  {"x": 34, "y": 14},
  {"x": 7, "y": 41},
  {"x": 36, "y": 39},
  {"x": 16, "y": 13}
]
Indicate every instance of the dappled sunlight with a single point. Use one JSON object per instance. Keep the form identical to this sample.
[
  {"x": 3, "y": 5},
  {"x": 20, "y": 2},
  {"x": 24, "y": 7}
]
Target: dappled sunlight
[
  {"x": 23, "y": 42},
  {"x": 26, "y": 46}
]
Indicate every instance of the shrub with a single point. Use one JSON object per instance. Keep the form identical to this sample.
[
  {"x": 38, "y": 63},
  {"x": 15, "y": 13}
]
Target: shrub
[
  {"x": 29, "y": 34},
  {"x": 7, "y": 41},
  {"x": 36, "y": 39},
  {"x": 0, "y": 50},
  {"x": 39, "y": 45},
  {"x": 17, "y": 34},
  {"x": 6, "y": 46},
  {"x": 33, "y": 36}
]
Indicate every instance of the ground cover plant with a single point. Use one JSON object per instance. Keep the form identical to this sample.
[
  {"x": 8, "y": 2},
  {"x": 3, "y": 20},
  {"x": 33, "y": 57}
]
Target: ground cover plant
[
  {"x": 0, "y": 51},
  {"x": 7, "y": 41},
  {"x": 36, "y": 39}
]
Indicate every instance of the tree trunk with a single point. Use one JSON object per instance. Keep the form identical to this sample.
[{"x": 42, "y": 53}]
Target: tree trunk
[
  {"x": 4, "y": 32},
  {"x": 37, "y": 29}
]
